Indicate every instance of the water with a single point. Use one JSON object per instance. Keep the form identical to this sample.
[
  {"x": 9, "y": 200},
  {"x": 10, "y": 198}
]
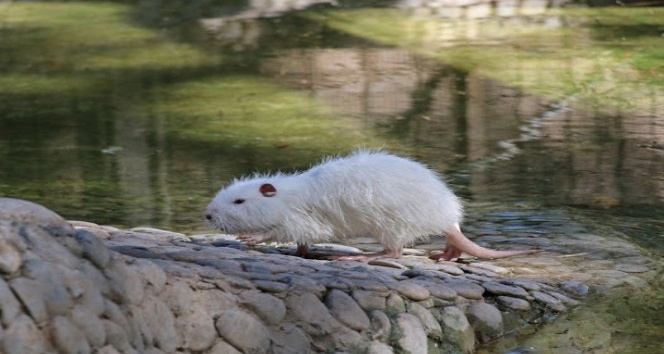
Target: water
[{"x": 135, "y": 113}]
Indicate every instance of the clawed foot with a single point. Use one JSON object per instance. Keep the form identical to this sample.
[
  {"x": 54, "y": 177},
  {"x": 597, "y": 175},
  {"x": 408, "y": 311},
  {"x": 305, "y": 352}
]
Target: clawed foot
[
  {"x": 253, "y": 239},
  {"x": 450, "y": 253}
]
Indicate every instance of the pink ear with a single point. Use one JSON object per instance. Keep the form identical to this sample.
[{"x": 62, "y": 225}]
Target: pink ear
[{"x": 268, "y": 190}]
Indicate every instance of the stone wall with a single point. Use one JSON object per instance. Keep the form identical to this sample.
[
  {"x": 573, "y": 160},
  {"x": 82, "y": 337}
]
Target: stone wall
[{"x": 77, "y": 287}]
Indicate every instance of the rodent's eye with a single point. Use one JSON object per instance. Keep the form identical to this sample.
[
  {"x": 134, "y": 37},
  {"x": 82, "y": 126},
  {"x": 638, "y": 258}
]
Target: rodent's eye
[{"x": 238, "y": 201}]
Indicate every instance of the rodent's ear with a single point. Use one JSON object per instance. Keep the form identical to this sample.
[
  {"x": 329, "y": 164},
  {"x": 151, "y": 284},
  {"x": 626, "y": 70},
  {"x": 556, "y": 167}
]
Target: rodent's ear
[{"x": 268, "y": 190}]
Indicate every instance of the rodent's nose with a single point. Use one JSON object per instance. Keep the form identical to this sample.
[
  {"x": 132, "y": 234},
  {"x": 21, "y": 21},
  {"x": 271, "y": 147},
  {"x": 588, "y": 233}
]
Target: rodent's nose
[{"x": 208, "y": 216}]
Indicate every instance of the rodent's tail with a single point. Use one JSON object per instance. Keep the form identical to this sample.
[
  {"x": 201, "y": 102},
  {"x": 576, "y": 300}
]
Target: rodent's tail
[{"x": 457, "y": 242}]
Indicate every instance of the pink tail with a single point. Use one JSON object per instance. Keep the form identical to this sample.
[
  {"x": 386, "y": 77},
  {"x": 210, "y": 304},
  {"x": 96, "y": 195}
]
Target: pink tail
[{"x": 457, "y": 243}]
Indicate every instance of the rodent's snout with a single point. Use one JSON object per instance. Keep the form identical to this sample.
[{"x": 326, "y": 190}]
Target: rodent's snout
[{"x": 208, "y": 216}]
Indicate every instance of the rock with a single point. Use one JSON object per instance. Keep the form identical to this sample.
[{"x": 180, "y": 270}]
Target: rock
[
  {"x": 267, "y": 307},
  {"x": 30, "y": 293},
  {"x": 93, "y": 248},
  {"x": 412, "y": 291},
  {"x": 412, "y": 337},
  {"x": 68, "y": 339},
  {"x": 222, "y": 347},
  {"x": 161, "y": 321},
  {"x": 576, "y": 288},
  {"x": 368, "y": 300},
  {"x": 90, "y": 325},
  {"x": 10, "y": 258},
  {"x": 243, "y": 331},
  {"x": 548, "y": 300},
  {"x": 457, "y": 330},
  {"x": 502, "y": 289},
  {"x": 310, "y": 313},
  {"x": 395, "y": 304},
  {"x": 379, "y": 348},
  {"x": 159, "y": 234},
  {"x": 466, "y": 289},
  {"x": 23, "y": 336},
  {"x": 429, "y": 323},
  {"x": 271, "y": 286},
  {"x": 124, "y": 282},
  {"x": 116, "y": 336},
  {"x": 290, "y": 339},
  {"x": 514, "y": 303},
  {"x": 10, "y": 307},
  {"x": 26, "y": 212},
  {"x": 178, "y": 296},
  {"x": 486, "y": 320},
  {"x": 380, "y": 325},
  {"x": 346, "y": 310},
  {"x": 197, "y": 330},
  {"x": 51, "y": 286}
]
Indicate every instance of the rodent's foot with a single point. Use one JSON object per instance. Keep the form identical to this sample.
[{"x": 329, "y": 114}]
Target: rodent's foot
[
  {"x": 252, "y": 239},
  {"x": 450, "y": 253}
]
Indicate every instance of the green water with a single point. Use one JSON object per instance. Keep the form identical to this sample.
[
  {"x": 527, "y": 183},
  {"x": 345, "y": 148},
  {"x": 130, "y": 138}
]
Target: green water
[{"x": 135, "y": 113}]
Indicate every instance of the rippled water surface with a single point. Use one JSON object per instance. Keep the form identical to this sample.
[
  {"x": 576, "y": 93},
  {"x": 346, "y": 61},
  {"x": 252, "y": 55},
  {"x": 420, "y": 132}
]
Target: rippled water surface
[{"x": 135, "y": 113}]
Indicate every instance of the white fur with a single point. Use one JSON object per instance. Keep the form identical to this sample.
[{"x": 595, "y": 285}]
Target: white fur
[{"x": 391, "y": 198}]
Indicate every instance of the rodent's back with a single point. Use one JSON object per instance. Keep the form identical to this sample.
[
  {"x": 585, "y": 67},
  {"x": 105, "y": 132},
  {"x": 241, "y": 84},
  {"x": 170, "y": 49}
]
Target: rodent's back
[{"x": 391, "y": 198}]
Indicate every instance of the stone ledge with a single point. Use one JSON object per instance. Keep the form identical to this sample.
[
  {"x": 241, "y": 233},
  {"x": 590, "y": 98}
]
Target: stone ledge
[{"x": 90, "y": 288}]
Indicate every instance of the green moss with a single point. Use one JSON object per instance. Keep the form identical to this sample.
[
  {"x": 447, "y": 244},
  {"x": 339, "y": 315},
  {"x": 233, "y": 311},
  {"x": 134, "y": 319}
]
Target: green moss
[
  {"x": 245, "y": 110},
  {"x": 608, "y": 61}
]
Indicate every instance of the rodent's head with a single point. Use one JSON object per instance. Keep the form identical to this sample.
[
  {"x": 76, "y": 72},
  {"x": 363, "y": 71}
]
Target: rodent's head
[{"x": 247, "y": 206}]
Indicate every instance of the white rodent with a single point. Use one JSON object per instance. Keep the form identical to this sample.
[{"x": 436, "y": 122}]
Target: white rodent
[{"x": 368, "y": 193}]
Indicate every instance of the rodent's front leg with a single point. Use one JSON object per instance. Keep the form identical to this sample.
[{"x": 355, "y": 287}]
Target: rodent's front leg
[{"x": 252, "y": 239}]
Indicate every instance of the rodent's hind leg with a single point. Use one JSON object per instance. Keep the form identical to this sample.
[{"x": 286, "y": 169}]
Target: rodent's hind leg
[
  {"x": 252, "y": 239},
  {"x": 367, "y": 257},
  {"x": 302, "y": 250},
  {"x": 450, "y": 253}
]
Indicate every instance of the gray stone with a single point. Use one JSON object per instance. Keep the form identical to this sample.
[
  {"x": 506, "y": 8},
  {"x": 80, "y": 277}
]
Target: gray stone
[
  {"x": 430, "y": 324},
  {"x": 346, "y": 310},
  {"x": 93, "y": 248},
  {"x": 10, "y": 257},
  {"x": 51, "y": 285},
  {"x": 457, "y": 330},
  {"x": 23, "y": 337},
  {"x": 377, "y": 347},
  {"x": 576, "y": 288},
  {"x": 289, "y": 339},
  {"x": 116, "y": 336},
  {"x": 548, "y": 300},
  {"x": 178, "y": 296},
  {"x": 140, "y": 332},
  {"x": 10, "y": 307},
  {"x": 466, "y": 289},
  {"x": 197, "y": 330},
  {"x": 113, "y": 312},
  {"x": 159, "y": 234},
  {"x": 632, "y": 268},
  {"x": 502, "y": 289},
  {"x": 90, "y": 325},
  {"x": 152, "y": 274},
  {"x": 67, "y": 337},
  {"x": 124, "y": 282},
  {"x": 271, "y": 286},
  {"x": 522, "y": 283},
  {"x": 412, "y": 291},
  {"x": 243, "y": 331},
  {"x": 514, "y": 303},
  {"x": 216, "y": 301},
  {"x": 381, "y": 326},
  {"x": 161, "y": 321},
  {"x": 369, "y": 300},
  {"x": 108, "y": 349},
  {"x": 395, "y": 304},
  {"x": 486, "y": 320},
  {"x": 29, "y": 293},
  {"x": 412, "y": 337},
  {"x": 222, "y": 347},
  {"x": 23, "y": 211},
  {"x": 267, "y": 307},
  {"x": 310, "y": 313},
  {"x": 437, "y": 289}
]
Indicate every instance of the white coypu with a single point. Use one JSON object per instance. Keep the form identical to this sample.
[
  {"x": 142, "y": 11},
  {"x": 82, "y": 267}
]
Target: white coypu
[{"x": 390, "y": 198}]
